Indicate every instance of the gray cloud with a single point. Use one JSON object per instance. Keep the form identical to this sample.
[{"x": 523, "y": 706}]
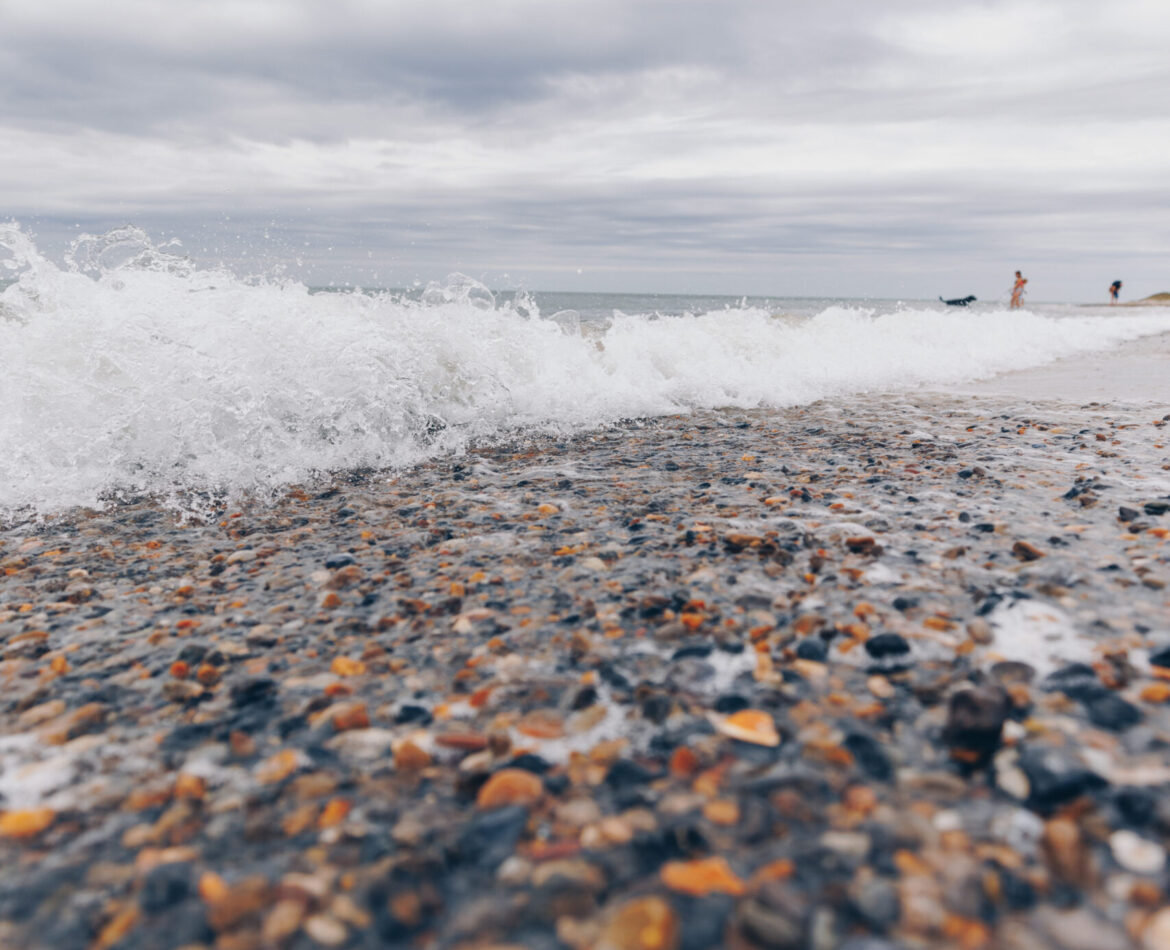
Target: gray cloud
[{"x": 846, "y": 148}]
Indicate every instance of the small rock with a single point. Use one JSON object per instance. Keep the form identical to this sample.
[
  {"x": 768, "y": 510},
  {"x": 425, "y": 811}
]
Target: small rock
[
  {"x": 750, "y": 725},
  {"x": 876, "y": 900},
  {"x": 1056, "y": 776},
  {"x": 1110, "y": 711},
  {"x": 1156, "y": 935},
  {"x": 1161, "y": 657},
  {"x": 510, "y": 787},
  {"x": 283, "y": 920},
  {"x": 886, "y": 645},
  {"x": 1025, "y": 551},
  {"x": 1080, "y": 929},
  {"x": 980, "y": 631},
  {"x": 866, "y": 546},
  {"x": 812, "y": 648},
  {"x": 975, "y": 722},
  {"x": 773, "y": 920},
  {"x": 25, "y": 822},
  {"x": 326, "y": 930},
  {"x": 1135, "y": 853},
  {"x": 515, "y": 871},
  {"x": 1066, "y": 851},
  {"x": 702, "y": 877},
  {"x": 645, "y": 923}
]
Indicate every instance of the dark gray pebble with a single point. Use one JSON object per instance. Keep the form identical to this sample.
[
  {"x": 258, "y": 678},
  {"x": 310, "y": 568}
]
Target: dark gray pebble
[{"x": 887, "y": 645}]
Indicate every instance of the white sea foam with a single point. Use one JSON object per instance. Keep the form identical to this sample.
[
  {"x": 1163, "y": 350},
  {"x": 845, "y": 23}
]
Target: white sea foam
[{"x": 128, "y": 369}]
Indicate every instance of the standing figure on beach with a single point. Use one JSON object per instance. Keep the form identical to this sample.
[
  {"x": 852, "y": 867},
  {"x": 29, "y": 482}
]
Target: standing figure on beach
[
  {"x": 1114, "y": 290},
  {"x": 1018, "y": 291}
]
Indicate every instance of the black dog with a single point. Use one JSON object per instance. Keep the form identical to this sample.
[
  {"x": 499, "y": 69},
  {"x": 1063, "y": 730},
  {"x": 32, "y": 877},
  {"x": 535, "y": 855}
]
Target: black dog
[{"x": 959, "y": 301}]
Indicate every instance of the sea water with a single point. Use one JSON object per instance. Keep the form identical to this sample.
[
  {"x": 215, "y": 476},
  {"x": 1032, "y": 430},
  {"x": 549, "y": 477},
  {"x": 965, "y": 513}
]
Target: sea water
[{"x": 127, "y": 368}]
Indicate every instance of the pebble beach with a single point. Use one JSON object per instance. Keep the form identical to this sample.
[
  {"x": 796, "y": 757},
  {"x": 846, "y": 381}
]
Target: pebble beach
[{"x": 871, "y": 673}]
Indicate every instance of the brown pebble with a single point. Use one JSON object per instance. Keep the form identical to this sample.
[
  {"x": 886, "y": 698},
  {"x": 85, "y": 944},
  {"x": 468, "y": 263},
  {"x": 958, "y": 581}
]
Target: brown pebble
[
  {"x": 345, "y": 716},
  {"x": 120, "y": 925},
  {"x": 702, "y": 877},
  {"x": 326, "y": 930},
  {"x": 242, "y": 900},
  {"x": 25, "y": 822},
  {"x": 1066, "y": 851},
  {"x": 510, "y": 787},
  {"x": 645, "y": 923},
  {"x": 975, "y": 722},
  {"x": 721, "y": 811},
  {"x": 750, "y": 725},
  {"x": 283, "y": 920},
  {"x": 467, "y": 741},
  {"x": 409, "y": 756},
  {"x": 541, "y": 724},
  {"x": 1025, "y": 551},
  {"x": 980, "y": 631}
]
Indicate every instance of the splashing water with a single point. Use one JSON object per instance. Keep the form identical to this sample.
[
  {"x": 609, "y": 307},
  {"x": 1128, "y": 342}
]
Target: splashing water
[{"x": 129, "y": 369}]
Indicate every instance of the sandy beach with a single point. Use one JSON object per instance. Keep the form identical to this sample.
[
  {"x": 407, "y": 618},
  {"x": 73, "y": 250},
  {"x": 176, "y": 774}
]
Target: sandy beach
[{"x": 869, "y": 673}]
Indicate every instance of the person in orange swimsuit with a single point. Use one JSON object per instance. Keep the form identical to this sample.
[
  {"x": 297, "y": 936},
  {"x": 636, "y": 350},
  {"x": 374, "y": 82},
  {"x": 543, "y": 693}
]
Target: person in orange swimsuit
[{"x": 1018, "y": 291}]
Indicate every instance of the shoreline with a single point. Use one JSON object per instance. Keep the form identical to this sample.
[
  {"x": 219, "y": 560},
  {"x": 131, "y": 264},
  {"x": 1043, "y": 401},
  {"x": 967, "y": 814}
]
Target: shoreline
[{"x": 738, "y": 678}]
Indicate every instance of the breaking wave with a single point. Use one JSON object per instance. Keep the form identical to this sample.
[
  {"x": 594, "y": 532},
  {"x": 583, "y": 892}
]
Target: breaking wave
[{"x": 128, "y": 369}]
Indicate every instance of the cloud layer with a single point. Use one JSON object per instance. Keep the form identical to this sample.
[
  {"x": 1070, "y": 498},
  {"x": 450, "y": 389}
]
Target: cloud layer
[{"x": 846, "y": 148}]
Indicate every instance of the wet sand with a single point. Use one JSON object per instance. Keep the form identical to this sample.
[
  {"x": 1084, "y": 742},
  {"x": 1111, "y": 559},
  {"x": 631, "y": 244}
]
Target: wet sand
[
  {"x": 884, "y": 672},
  {"x": 1135, "y": 373}
]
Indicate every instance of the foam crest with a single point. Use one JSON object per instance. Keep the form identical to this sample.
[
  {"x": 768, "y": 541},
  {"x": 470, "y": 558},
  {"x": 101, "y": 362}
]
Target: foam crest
[{"x": 128, "y": 370}]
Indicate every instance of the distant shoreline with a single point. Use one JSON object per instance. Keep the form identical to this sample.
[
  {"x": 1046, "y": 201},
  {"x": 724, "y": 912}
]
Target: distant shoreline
[{"x": 1154, "y": 300}]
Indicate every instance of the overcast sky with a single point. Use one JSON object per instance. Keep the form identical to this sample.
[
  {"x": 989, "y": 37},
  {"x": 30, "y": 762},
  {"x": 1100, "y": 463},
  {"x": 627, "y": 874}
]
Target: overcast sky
[{"x": 901, "y": 148}]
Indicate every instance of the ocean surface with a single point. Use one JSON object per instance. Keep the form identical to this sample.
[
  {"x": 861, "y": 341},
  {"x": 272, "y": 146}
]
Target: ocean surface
[{"x": 129, "y": 369}]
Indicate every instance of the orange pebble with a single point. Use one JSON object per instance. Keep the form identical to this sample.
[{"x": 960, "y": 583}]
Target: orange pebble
[
  {"x": 334, "y": 812},
  {"x": 702, "y": 877},
  {"x": 683, "y": 762},
  {"x": 510, "y": 787},
  {"x": 774, "y": 871},
  {"x": 25, "y": 822},
  {"x": 344, "y": 666},
  {"x": 212, "y": 887},
  {"x": 180, "y": 670},
  {"x": 409, "y": 756},
  {"x": 207, "y": 674},
  {"x": 350, "y": 716},
  {"x": 299, "y": 820},
  {"x": 120, "y": 925},
  {"x": 141, "y": 799},
  {"x": 189, "y": 786},
  {"x": 751, "y": 725},
  {"x": 860, "y": 799},
  {"x": 277, "y": 767},
  {"x": 1156, "y": 692},
  {"x": 722, "y": 811}
]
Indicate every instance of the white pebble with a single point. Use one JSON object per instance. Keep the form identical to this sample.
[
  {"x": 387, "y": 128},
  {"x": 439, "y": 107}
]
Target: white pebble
[{"x": 1137, "y": 854}]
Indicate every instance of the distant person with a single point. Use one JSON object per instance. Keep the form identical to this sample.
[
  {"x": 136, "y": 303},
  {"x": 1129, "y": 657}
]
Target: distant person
[
  {"x": 1018, "y": 291},
  {"x": 1114, "y": 290}
]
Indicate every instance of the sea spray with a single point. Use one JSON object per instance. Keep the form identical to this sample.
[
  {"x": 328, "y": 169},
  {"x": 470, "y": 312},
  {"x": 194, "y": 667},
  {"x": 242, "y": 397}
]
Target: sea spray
[{"x": 128, "y": 369}]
